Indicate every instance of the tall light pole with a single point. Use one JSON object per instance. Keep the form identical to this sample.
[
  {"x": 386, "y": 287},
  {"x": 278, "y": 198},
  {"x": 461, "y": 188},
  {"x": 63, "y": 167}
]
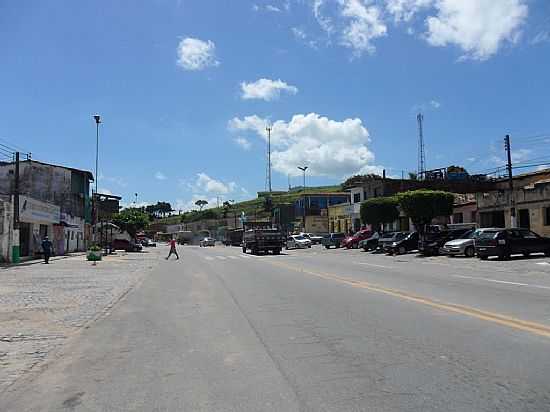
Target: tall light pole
[
  {"x": 135, "y": 202},
  {"x": 268, "y": 129},
  {"x": 303, "y": 169},
  {"x": 97, "y": 119}
]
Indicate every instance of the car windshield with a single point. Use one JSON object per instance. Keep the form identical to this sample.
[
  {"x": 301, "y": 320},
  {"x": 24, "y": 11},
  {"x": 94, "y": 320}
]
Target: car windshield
[
  {"x": 471, "y": 234},
  {"x": 299, "y": 238},
  {"x": 487, "y": 234},
  {"x": 401, "y": 235}
]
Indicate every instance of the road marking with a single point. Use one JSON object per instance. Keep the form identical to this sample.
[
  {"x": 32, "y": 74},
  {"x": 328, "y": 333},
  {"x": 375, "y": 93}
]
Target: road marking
[
  {"x": 209, "y": 258},
  {"x": 372, "y": 264},
  {"x": 505, "y": 282},
  {"x": 232, "y": 257},
  {"x": 221, "y": 257},
  {"x": 503, "y": 320},
  {"x": 542, "y": 263}
]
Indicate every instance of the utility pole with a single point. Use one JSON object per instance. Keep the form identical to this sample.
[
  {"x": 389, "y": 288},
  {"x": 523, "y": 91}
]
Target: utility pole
[
  {"x": 303, "y": 169},
  {"x": 16, "y": 194},
  {"x": 421, "y": 154},
  {"x": 508, "y": 149},
  {"x": 268, "y": 128}
]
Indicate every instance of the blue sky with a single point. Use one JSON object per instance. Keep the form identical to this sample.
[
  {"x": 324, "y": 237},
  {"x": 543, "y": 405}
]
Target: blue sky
[{"x": 186, "y": 87}]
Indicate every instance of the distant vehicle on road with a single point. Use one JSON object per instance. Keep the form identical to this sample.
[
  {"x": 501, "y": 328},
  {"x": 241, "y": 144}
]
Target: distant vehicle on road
[
  {"x": 148, "y": 243},
  {"x": 184, "y": 236},
  {"x": 298, "y": 242},
  {"x": 352, "y": 242},
  {"x": 207, "y": 241},
  {"x": 404, "y": 245},
  {"x": 263, "y": 239},
  {"x": 506, "y": 242},
  {"x": 464, "y": 245},
  {"x": 333, "y": 240},
  {"x": 233, "y": 237},
  {"x": 126, "y": 245}
]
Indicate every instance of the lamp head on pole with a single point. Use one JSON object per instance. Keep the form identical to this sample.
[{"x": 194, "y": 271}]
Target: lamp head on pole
[
  {"x": 97, "y": 118},
  {"x": 303, "y": 169}
]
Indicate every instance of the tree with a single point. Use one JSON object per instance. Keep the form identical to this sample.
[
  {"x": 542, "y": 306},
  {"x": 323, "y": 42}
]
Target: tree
[
  {"x": 421, "y": 206},
  {"x": 379, "y": 210},
  {"x": 132, "y": 220},
  {"x": 413, "y": 176},
  {"x": 359, "y": 179},
  {"x": 201, "y": 203},
  {"x": 227, "y": 206}
]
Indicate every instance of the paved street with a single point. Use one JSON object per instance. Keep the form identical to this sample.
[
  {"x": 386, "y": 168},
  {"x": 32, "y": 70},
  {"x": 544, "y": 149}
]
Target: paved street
[{"x": 309, "y": 330}]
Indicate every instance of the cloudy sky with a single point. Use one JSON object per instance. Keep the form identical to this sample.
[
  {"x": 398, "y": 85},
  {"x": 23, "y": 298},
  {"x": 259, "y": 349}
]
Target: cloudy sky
[{"x": 186, "y": 88}]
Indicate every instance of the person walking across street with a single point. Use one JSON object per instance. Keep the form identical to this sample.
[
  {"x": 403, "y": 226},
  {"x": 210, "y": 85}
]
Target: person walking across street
[
  {"x": 173, "y": 249},
  {"x": 47, "y": 249}
]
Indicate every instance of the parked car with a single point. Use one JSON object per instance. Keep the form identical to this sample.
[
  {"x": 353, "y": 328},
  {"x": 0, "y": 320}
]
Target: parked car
[
  {"x": 386, "y": 240},
  {"x": 387, "y": 246},
  {"x": 435, "y": 237},
  {"x": 148, "y": 243},
  {"x": 352, "y": 242},
  {"x": 506, "y": 242},
  {"x": 297, "y": 242},
  {"x": 333, "y": 239},
  {"x": 370, "y": 243},
  {"x": 404, "y": 245},
  {"x": 207, "y": 241},
  {"x": 316, "y": 240},
  {"x": 464, "y": 245},
  {"x": 126, "y": 245}
]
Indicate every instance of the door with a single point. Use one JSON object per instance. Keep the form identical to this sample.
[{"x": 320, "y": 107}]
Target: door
[
  {"x": 516, "y": 242},
  {"x": 524, "y": 221},
  {"x": 533, "y": 243},
  {"x": 24, "y": 238}
]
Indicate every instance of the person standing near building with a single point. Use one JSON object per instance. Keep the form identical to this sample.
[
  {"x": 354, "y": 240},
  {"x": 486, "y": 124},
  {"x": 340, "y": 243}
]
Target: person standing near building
[
  {"x": 47, "y": 249},
  {"x": 173, "y": 249}
]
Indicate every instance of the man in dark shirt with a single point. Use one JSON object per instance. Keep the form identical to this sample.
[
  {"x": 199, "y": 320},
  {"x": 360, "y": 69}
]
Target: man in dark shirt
[{"x": 47, "y": 248}]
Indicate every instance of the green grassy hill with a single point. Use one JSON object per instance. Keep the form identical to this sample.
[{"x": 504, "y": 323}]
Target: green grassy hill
[{"x": 254, "y": 208}]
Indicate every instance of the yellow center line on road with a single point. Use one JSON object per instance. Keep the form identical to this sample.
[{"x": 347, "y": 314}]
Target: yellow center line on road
[{"x": 510, "y": 322}]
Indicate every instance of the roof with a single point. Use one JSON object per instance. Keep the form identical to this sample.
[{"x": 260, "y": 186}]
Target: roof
[
  {"x": 325, "y": 194},
  {"x": 522, "y": 175},
  {"x": 86, "y": 172}
]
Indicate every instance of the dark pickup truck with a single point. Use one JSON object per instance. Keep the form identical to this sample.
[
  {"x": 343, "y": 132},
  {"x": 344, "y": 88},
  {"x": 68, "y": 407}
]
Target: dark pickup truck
[
  {"x": 263, "y": 240},
  {"x": 333, "y": 239}
]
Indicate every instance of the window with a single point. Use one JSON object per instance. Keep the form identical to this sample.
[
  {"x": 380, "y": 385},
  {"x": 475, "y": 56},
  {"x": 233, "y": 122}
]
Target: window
[
  {"x": 527, "y": 234},
  {"x": 356, "y": 197},
  {"x": 457, "y": 218},
  {"x": 473, "y": 216},
  {"x": 547, "y": 216}
]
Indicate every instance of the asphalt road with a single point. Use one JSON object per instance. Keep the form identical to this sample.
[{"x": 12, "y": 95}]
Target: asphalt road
[{"x": 311, "y": 330}]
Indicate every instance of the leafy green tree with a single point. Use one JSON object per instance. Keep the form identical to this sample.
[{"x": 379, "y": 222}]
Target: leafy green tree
[
  {"x": 421, "y": 206},
  {"x": 132, "y": 220},
  {"x": 201, "y": 203},
  {"x": 379, "y": 210}
]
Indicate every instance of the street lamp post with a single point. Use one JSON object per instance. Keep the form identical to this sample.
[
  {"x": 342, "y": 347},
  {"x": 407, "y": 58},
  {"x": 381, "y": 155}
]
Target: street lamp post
[
  {"x": 97, "y": 119},
  {"x": 303, "y": 169}
]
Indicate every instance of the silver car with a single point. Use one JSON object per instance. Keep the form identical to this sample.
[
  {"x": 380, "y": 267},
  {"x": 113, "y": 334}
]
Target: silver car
[
  {"x": 463, "y": 245},
  {"x": 207, "y": 241}
]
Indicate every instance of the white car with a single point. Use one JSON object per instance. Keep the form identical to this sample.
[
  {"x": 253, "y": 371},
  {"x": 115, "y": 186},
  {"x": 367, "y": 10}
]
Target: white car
[
  {"x": 316, "y": 240},
  {"x": 207, "y": 241},
  {"x": 297, "y": 242}
]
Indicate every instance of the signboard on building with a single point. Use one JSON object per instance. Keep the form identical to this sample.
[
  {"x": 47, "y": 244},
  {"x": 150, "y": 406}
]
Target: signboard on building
[{"x": 36, "y": 211}]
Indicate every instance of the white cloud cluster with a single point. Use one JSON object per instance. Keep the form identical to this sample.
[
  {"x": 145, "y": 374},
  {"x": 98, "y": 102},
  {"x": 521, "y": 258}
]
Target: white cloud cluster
[
  {"x": 266, "y": 89},
  {"x": 196, "y": 54},
  {"x": 327, "y": 147},
  {"x": 365, "y": 24},
  {"x": 243, "y": 142},
  {"x": 480, "y": 28},
  {"x": 160, "y": 176},
  {"x": 207, "y": 184}
]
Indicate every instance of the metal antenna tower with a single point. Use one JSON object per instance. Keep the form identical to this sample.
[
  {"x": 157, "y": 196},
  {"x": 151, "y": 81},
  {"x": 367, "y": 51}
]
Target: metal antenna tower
[
  {"x": 421, "y": 153},
  {"x": 268, "y": 129}
]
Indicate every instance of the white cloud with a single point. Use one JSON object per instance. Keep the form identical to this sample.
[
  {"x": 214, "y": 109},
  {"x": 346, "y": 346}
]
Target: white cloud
[
  {"x": 266, "y": 89},
  {"x": 302, "y": 36},
  {"x": 207, "y": 184},
  {"x": 160, "y": 176},
  {"x": 243, "y": 142},
  {"x": 327, "y": 147},
  {"x": 404, "y": 10},
  {"x": 541, "y": 37},
  {"x": 365, "y": 25},
  {"x": 271, "y": 7},
  {"x": 435, "y": 104},
  {"x": 324, "y": 21},
  {"x": 478, "y": 27},
  {"x": 299, "y": 33},
  {"x": 196, "y": 54}
]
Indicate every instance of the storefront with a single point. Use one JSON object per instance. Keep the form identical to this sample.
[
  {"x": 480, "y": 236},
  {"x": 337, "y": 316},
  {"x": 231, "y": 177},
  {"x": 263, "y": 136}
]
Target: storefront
[{"x": 37, "y": 219}]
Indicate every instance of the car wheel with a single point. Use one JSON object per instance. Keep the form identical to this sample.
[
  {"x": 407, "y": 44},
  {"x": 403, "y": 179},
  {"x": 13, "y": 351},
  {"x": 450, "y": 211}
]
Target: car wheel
[
  {"x": 327, "y": 247},
  {"x": 402, "y": 250},
  {"x": 244, "y": 249},
  {"x": 470, "y": 251},
  {"x": 503, "y": 256},
  {"x": 547, "y": 253},
  {"x": 482, "y": 257},
  {"x": 526, "y": 254}
]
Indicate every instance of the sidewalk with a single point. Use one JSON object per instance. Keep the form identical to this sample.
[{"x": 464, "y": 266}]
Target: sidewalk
[
  {"x": 41, "y": 305},
  {"x": 34, "y": 261}
]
